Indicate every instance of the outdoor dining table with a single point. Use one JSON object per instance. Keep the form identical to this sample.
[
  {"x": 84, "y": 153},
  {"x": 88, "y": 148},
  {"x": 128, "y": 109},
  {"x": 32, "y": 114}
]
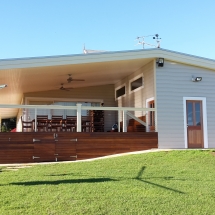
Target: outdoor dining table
[{"x": 69, "y": 124}]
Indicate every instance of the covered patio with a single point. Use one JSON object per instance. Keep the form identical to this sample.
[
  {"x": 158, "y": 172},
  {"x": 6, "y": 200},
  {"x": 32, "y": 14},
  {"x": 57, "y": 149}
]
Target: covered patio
[
  {"x": 80, "y": 141},
  {"x": 39, "y": 87}
]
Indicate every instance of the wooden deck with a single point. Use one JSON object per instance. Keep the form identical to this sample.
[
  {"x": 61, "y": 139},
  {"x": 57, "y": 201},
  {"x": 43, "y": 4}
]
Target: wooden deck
[{"x": 28, "y": 147}]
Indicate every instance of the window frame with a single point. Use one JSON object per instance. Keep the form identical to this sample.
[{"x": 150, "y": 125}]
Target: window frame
[
  {"x": 119, "y": 87},
  {"x": 134, "y": 79}
]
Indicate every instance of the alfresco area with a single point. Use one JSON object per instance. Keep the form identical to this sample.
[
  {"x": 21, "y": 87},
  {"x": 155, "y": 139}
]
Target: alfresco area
[
  {"x": 86, "y": 134},
  {"x": 74, "y": 107}
]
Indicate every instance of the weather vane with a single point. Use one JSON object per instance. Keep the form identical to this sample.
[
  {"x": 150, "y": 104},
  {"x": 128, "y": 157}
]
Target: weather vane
[{"x": 141, "y": 40}]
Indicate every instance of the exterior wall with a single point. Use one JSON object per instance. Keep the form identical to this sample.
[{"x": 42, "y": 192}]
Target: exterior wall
[
  {"x": 103, "y": 93},
  {"x": 174, "y": 81},
  {"x": 138, "y": 98}
]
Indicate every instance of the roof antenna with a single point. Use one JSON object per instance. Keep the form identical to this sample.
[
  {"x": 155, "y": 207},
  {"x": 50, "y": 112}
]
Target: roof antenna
[
  {"x": 84, "y": 50},
  {"x": 141, "y": 40}
]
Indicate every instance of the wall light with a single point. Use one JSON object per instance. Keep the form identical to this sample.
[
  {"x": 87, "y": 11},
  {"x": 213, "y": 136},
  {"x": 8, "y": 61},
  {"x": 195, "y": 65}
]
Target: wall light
[
  {"x": 3, "y": 86},
  {"x": 160, "y": 62},
  {"x": 196, "y": 79}
]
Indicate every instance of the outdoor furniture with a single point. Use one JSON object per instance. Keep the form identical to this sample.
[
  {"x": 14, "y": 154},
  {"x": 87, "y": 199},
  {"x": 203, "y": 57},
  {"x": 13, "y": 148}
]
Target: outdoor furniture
[
  {"x": 56, "y": 123},
  {"x": 70, "y": 123},
  {"x": 26, "y": 125},
  {"x": 42, "y": 122},
  {"x": 87, "y": 123}
]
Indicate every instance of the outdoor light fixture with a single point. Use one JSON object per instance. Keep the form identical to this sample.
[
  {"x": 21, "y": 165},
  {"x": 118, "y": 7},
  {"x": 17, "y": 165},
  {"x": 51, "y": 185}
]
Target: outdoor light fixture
[
  {"x": 3, "y": 86},
  {"x": 196, "y": 79},
  {"x": 160, "y": 62}
]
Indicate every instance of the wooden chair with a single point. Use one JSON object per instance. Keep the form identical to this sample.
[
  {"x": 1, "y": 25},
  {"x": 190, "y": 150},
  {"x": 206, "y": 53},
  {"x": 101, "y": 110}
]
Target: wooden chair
[
  {"x": 71, "y": 123},
  {"x": 26, "y": 125},
  {"x": 42, "y": 122},
  {"x": 87, "y": 123},
  {"x": 56, "y": 123}
]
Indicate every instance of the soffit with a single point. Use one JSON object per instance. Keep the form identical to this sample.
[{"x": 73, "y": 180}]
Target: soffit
[
  {"x": 34, "y": 79},
  {"x": 47, "y": 73}
]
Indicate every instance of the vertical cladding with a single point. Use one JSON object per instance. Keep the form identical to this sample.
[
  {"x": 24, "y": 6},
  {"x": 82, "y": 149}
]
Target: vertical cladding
[
  {"x": 104, "y": 92},
  {"x": 174, "y": 81}
]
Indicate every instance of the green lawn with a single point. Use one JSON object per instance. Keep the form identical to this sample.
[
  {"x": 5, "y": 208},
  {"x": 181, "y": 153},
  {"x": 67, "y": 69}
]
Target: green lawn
[{"x": 175, "y": 182}]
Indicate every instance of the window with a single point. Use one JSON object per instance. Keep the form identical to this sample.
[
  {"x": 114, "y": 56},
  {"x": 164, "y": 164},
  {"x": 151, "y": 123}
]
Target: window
[
  {"x": 120, "y": 92},
  {"x": 136, "y": 83}
]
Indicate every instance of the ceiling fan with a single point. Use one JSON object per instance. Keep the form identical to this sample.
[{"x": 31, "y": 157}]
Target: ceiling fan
[
  {"x": 63, "y": 88},
  {"x": 70, "y": 79}
]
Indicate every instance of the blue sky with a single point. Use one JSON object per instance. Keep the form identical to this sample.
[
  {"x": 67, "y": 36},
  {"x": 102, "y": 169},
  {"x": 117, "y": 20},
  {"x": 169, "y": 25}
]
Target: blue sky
[{"x": 31, "y": 28}]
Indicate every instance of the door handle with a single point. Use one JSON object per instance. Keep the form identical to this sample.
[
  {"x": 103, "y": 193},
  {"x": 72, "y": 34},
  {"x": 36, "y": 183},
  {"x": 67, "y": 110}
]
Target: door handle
[
  {"x": 36, "y": 140},
  {"x": 74, "y": 140},
  {"x": 35, "y": 157},
  {"x": 55, "y": 135},
  {"x": 73, "y": 156}
]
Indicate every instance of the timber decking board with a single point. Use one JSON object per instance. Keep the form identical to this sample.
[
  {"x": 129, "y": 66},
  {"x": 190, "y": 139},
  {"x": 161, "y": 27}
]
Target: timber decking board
[{"x": 61, "y": 146}]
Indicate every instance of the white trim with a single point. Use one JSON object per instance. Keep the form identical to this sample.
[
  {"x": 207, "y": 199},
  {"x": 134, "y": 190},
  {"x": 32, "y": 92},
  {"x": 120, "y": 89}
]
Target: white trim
[
  {"x": 60, "y": 107},
  {"x": 121, "y": 86},
  {"x": 147, "y": 106},
  {"x": 204, "y": 113},
  {"x": 79, "y": 128},
  {"x": 107, "y": 57},
  {"x": 155, "y": 96},
  {"x": 124, "y": 121},
  {"x": 51, "y": 99},
  {"x": 133, "y": 79}
]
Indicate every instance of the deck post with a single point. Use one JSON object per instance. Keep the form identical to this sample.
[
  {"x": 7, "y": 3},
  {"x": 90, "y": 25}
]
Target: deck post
[
  {"x": 79, "y": 117},
  {"x": 119, "y": 120},
  {"x": 124, "y": 121},
  {"x": 35, "y": 125}
]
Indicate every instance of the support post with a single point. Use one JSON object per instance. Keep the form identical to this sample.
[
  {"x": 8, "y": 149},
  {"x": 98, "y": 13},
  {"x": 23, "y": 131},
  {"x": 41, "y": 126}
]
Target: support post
[
  {"x": 79, "y": 117},
  {"x": 124, "y": 118},
  {"x": 35, "y": 122},
  {"x": 119, "y": 112}
]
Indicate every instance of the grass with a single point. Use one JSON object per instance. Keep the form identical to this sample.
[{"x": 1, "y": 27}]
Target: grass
[{"x": 175, "y": 182}]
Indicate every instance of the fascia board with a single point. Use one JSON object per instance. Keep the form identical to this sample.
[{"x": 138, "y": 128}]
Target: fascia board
[
  {"x": 188, "y": 59},
  {"x": 107, "y": 56},
  {"x": 74, "y": 59}
]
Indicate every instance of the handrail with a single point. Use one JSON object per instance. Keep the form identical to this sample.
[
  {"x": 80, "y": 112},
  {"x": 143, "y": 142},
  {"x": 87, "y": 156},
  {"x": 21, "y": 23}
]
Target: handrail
[
  {"x": 75, "y": 107},
  {"x": 79, "y": 108},
  {"x": 137, "y": 119}
]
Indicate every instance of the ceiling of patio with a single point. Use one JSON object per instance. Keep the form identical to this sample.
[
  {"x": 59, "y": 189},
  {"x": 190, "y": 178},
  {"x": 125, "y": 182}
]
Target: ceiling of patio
[{"x": 47, "y": 78}]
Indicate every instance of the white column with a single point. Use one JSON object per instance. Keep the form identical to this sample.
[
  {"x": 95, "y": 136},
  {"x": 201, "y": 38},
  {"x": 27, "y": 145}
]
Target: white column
[
  {"x": 79, "y": 117},
  {"x": 35, "y": 121},
  {"x": 124, "y": 119},
  {"x": 119, "y": 112}
]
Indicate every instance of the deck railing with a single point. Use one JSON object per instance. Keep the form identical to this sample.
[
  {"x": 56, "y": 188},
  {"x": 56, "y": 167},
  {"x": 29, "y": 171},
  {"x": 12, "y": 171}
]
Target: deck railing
[{"x": 122, "y": 115}]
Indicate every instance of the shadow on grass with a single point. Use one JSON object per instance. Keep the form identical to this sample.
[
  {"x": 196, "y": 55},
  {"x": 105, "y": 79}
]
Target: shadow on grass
[
  {"x": 70, "y": 181},
  {"x": 65, "y": 174},
  {"x": 158, "y": 185},
  {"x": 166, "y": 178}
]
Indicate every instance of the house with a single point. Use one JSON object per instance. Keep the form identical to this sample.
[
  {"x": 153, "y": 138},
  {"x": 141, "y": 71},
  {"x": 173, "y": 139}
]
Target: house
[{"x": 180, "y": 88}]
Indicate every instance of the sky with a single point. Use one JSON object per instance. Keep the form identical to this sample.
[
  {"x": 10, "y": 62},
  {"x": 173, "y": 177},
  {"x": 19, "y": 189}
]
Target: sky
[{"x": 34, "y": 28}]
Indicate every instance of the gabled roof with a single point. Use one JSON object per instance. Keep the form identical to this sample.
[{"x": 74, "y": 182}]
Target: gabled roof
[
  {"x": 107, "y": 56},
  {"x": 34, "y": 74}
]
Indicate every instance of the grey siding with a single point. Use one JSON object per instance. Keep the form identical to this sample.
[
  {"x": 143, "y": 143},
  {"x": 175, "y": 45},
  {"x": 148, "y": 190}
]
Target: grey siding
[
  {"x": 104, "y": 92},
  {"x": 173, "y": 83}
]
